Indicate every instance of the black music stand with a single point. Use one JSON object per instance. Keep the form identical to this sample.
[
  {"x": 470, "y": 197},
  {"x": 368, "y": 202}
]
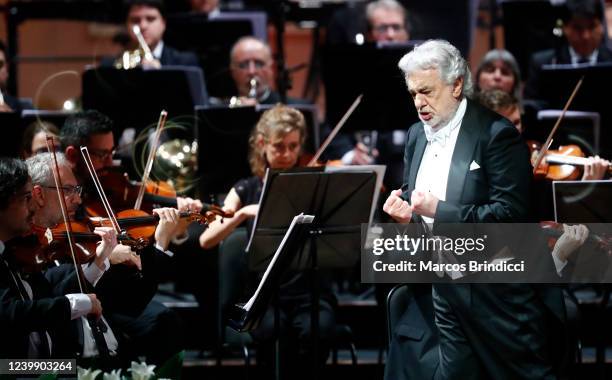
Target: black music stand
[
  {"x": 341, "y": 200},
  {"x": 223, "y": 135},
  {"x": 12, "y": 133},
  {"x": 371, "y": 70},
  {"x": 134, "y": 98},
  {"x": 558, "y": 81},
  {"x": 583, "y": 201}
]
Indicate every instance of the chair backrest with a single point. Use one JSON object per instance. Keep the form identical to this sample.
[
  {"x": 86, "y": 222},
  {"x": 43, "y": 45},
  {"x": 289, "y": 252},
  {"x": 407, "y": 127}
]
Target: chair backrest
[{"x": 397, "y": 302}]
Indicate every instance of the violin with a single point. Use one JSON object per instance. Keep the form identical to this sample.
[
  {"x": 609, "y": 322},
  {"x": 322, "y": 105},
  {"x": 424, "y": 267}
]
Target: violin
[
  {"x": 141, "y": 225},
  {"x": 123, "y": 193},
  {"x": 557, "y": 165}
]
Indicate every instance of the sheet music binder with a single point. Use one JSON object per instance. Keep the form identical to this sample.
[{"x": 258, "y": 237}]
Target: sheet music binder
[{"x": 246, "y": 317}]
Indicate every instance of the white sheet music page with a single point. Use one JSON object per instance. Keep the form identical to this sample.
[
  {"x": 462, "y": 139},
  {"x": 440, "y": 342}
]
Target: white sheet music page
[{"x": 298, "y": 219}]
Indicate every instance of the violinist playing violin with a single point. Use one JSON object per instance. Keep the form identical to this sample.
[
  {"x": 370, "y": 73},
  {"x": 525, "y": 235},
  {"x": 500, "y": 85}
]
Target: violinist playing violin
[
  {"x": 508, "y": 106},
  {"x": 78, "y": 340},
  {"x": 29, "y": 310},
  {"x": 145, "y": 320}
]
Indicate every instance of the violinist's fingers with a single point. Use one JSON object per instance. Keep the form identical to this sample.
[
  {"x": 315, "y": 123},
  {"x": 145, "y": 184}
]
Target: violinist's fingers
[
  {"x": 174, "y": 215},
  {"x": 583, "y": 233}
]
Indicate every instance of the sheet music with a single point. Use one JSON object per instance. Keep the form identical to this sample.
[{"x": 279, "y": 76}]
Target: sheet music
[{"x": 298, "y": 219}]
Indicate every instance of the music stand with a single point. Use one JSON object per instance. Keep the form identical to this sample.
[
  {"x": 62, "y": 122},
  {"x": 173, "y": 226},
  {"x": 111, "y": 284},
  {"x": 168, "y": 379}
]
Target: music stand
[
  {"x": 12, "y": 134},
  {"x": 578, "y": 127},
  {"x": 341, "y": 199},
  {"x": 371, "y": 70},
  {"x": 558, "y": 81},
  {"x": 221, "y": 130},
  {"x": 212, "y": 41},
  {"x": 134, "y": 98},
  {"x": 583, "y": 201}
]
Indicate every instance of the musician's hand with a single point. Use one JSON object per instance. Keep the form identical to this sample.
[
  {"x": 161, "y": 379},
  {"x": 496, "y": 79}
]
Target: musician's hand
[
  {"x": 106, "y": 245},
  {"x": 595, "y": 168},
  {"x": 168, "y": 224},
  {"x": 398, "y": 208},
  {"x": 151, "y": 64},
  {"x": 96, "y": 306},
  {"x": 5, "y": 108},
  {"x": 186, "y": 204},
  {"x": 423, "y": 203},
  {"x": 123, "y": 255},
  {"x": 573, "y": 237},
  {"x": 248, "y": 212},
  {"x": 361, "y": 155}
]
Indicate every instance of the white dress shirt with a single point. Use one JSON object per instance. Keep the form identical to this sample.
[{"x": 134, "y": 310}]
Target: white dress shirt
[
  {"x": 591, "y": 59},
  {"x": 433, "y": 172}
]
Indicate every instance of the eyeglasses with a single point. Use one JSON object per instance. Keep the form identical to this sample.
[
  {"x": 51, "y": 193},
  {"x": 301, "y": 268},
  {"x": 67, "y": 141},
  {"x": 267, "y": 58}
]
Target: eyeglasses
[
  {"x": 26, "y": 196},
  {"x": 69, "y": 190},
  {"x": 102, "y": 154},
  {"x": 244, "y": 65},
  {"x": 382, "y": 28}
]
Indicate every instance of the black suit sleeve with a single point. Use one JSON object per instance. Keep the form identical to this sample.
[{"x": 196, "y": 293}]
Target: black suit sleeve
[{"x": 507, "y": 168}]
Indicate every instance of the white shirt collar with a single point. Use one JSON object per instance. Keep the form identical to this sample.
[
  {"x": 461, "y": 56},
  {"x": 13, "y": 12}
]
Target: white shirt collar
[
  {"x": 443, "y": 133},
  {"x": 157, "y": 52},
  {"x": 214, "y": 13},
  {"x": 576, "y": 57},
  {"x": 2, "y": 247}
]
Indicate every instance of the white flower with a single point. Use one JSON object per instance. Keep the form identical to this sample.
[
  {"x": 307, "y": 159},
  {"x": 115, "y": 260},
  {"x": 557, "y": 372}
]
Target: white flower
[
  {"x": 114, "y": 375},
  {"x": 87, "y": 374},
  {"x": 141, "y": 371}
]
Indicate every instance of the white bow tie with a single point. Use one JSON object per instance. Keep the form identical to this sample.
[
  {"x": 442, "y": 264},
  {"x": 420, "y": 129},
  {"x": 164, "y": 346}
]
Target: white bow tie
[{"x": 441, "y": 136}]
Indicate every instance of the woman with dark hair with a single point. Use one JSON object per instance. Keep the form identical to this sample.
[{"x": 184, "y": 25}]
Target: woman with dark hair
[{"x": 34, "y": 138}]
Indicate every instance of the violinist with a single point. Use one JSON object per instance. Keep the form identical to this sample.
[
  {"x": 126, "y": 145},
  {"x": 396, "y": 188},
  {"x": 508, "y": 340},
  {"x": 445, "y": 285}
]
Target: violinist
[
  {"x": 79, "y": 340},
  {"x": 508, "y": 106},
  {"x": 146, "y": 322},
  {"x": 28, "y": 309},
  {"x": 276, "y": 143}
]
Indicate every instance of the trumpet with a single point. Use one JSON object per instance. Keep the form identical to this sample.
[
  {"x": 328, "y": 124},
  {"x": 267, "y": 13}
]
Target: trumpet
[
  {"x": 237, "y": 101},
  {"x": 133, "y": 58}
]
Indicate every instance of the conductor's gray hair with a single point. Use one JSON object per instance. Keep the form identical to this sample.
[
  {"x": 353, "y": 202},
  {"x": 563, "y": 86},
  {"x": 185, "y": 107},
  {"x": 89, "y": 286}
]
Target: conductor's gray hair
[{"x": 442, "y": 56}]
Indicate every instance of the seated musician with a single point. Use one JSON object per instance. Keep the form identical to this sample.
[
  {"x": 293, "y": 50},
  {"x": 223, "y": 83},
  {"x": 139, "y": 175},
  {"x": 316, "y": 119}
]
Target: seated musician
[
  {"x": 34, "y": 138},
  {"x": 156, "y": 323},
  {"x": 276, "y": 143},
  {"x": 78, "y": 341},
  {"x": 149, "y": 15},
  {"x": 508, "y": 106},
  {"x": 28, "y": 309},
  {"x": 499, "y": 70},
  {"x": 583, "y": 30}
]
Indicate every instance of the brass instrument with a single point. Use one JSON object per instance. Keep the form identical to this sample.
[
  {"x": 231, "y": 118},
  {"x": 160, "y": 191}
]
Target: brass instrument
[
  {"x": 133, "y": 58},
  {"x": 237, "y": 101}
]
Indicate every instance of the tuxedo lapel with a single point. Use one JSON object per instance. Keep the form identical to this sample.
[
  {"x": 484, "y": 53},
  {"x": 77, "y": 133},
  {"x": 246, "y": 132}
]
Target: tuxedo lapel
[
  {"x": 417, "y": 156},
  {"x": 463, "y": 154}
]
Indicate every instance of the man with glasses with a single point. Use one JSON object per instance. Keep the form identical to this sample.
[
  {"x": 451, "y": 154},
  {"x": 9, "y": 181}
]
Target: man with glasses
[
  {"x": 156, "y": 323},
  {"x": 28, "y": 307},
  {"x": 387, "y": 21}
]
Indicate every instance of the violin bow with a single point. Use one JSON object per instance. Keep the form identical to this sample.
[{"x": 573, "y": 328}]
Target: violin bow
[
  {"x": 147, "y": 172},
  {"x": 335, "y": 131},
  {"x": 100, "y": 190},
  {"x": 548, "y": 142},
  {"x": 62, "y": 201}
]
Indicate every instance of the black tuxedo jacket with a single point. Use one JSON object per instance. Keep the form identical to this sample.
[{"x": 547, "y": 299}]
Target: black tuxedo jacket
[
  {"x": 553, "y": 56},
  {"x": 498, "y": 191},
  {"x": 18, "y": 317}
]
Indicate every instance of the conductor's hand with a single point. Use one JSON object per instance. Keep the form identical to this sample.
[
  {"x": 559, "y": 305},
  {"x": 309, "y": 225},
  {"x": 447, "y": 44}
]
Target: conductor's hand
[
  {"x": 398, "y": 208},
  {"x": 423, "y": 203}
]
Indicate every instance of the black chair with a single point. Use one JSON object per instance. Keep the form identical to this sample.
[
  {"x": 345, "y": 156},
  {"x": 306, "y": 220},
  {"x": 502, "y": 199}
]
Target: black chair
[{"x": 397, "y": 303}]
